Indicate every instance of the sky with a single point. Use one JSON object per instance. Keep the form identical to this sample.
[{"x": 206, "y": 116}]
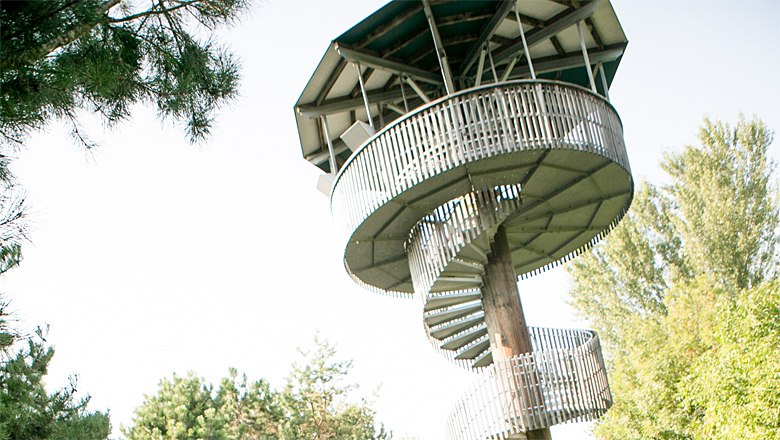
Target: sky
[{"x": 151, "y": 256}]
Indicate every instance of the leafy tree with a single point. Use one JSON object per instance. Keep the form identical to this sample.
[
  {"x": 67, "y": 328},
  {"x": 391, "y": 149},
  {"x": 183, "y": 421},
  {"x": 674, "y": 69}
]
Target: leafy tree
[
  {"x": 312, "y": 405},
  {"x": 734, "y": 388},
  {"x": 667, "y": 288},
  {"x": 59, "y": 56},
  {"x": 27, "y": 411}
]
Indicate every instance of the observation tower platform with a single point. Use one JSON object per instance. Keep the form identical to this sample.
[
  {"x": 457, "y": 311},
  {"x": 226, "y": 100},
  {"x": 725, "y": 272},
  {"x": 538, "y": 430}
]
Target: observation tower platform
[{"x": 465, "y": 144}]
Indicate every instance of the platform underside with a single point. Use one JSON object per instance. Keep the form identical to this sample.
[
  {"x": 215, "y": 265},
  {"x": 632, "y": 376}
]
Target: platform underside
[
  {"x": 561, "y": 144},
  {"x": 568, "y": 197}
]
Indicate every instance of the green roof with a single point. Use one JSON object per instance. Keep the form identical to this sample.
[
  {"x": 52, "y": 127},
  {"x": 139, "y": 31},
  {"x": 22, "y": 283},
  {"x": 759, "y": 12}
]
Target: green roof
[{"x": 396, "y": 41}]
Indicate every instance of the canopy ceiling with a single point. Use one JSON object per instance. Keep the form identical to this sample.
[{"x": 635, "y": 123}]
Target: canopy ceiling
[{"x": 395, "y": 50}]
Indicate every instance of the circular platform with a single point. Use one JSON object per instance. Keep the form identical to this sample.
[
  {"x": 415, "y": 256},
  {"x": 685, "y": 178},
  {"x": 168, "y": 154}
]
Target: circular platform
[{"x": 560, "y": 144}]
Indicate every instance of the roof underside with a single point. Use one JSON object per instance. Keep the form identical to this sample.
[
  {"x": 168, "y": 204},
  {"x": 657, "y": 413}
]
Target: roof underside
[{"x": 396, "y": 42}]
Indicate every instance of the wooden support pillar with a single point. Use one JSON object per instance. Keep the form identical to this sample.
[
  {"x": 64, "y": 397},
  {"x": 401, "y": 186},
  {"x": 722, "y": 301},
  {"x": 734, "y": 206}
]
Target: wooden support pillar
[{"x": 503, "y": 311}]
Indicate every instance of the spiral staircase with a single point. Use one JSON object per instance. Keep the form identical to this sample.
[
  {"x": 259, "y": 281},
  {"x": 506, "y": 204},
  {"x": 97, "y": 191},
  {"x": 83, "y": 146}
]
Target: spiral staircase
[{"x": 442, "y": 182}]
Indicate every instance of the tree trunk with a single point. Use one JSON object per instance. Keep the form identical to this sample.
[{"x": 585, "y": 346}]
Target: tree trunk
[{"x": 504, "y": 313}]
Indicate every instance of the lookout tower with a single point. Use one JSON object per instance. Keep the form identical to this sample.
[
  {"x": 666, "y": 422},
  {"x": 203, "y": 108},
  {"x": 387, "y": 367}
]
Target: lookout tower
[{"x": 465, "y": 144}]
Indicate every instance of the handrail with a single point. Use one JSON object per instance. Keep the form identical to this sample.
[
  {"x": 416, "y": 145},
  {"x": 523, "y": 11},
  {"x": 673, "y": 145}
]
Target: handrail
[
  {"x": 461, "y": 93},
  {"x": 422, "y": 198},
  {"x": 563, "y": 380}
]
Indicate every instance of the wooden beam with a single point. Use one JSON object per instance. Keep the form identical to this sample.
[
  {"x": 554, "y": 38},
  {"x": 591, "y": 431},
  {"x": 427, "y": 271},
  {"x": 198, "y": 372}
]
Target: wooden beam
[
  {"x": 384, "y": 29},
  {"x": 488, "y": 30},
  {"x": 368, "y": 59},
  {"x": 334, "y": 76},
  {"x": 366, "y": 75},
  {"x": 452, "y": 40},
  {"x": 337, "y": 105},
  {"x": 556, "y": 24},
  {"x": 594, "y": 33},
  {"x": 570, "y": 59},
  {"x": 557, "y": 45}
]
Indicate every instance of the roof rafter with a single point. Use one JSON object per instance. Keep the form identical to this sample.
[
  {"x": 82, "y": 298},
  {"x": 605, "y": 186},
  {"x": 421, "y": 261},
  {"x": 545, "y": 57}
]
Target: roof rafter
[
  {"x": 487, "y": 31},
  {"x": 594, "y": 33},
  {"x": 379, "y": 63},
  {"x": 341, "y": 104},
  {"x": 571, "y": 59},
  {"x": 556, "y": 24},
  {"x": 384, "y": 29}
]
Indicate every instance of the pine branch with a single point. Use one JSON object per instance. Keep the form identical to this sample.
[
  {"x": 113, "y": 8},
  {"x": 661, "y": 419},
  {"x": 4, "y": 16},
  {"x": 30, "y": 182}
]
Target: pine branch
[
  {"x": 63, "y": 39},
  {"x": 151, "y": 12}
]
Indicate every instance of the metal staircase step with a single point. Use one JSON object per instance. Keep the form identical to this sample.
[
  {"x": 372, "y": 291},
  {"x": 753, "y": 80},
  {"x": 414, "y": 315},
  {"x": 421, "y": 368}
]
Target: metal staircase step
[
  {"x": 450, "y": 329},
  {"x": 463, "y": 339},
  {"x": 446, "y": 284},
  {"x": 458, "y": 265},
  {"x": 451, "y": 299},
  {"x": 474, "y": 252},
  {"x": 485, "y": 359},
  {"x": 442, "y": 316},
  {"x": 475, "y": 349}
]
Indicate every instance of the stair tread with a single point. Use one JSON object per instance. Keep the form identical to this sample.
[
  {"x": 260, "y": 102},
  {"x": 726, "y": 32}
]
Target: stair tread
[
  {"x": 459, "y": 341},
  {"x": 474, "y": 349},
  {"x": 441, "y": 316},
  {"x": 446, "y": 300},
  {"x": 452, "y": 328}
]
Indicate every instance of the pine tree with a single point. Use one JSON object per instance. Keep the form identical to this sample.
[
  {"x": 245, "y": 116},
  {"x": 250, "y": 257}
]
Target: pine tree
[
  {"x": 61, "y": 56},
  {"x": 27, "y": 410}
]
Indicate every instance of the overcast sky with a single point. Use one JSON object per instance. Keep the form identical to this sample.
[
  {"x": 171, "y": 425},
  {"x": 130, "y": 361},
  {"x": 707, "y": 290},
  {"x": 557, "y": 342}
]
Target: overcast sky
[{"x": 150, "y": 256}]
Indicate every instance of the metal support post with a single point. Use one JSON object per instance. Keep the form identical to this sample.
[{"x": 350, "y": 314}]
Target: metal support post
[
  {"x": 439, "y": 46},
  {"x": 492, "y": 66},
  {"x": 331, "y": 153},
  {"x": 508, "y": 70},
  {"x": 403, "y": 94},
  {"x": 418, "y": 90},
  {"x": 525, "y": 43},
  {"x": 585, "y": 55},
  {"x": 481, "y": 64},
  {"x": 604, "y": 80},
  {"x": 365, "y": 95}
]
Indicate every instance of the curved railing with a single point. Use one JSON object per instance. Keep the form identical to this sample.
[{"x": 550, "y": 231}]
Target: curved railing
[
  {"x": 421, "y": 200},
  {"x": 406, "y": 162},
  {"x": 563, "y": 380}
]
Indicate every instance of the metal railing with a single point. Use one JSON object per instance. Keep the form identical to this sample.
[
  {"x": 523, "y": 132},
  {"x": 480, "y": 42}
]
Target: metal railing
[
  {"x": 563, "y": 380},
  {"x": 469, "y": 126}
]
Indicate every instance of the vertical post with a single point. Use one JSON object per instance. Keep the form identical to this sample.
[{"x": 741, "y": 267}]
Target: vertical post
[
  {"x": 331, "y": 153},
  {"x": 481, "y": 64},
  {"x": 492, "y": 65},
  {"x": 585, "y": 55},
  {"x": 365, "y": 95},
  {"x": 525, "y": 44},
  {"x": 403, "y": 94},
  {"x": 507, "y": 330},
  {"x": 439, "y": 46},
  {"x": 604, "y": 81}
]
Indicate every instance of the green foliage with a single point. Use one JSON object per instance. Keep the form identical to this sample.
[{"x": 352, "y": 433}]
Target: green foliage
[
  {"x": 27, "y": 411},
  {"x": 59, "y": 56},
  {"x": 313, "y": 404},
  {"x": 315, "y": 401},
  {"x": 734, "y": 388},
  {"x": 668, "y": 287},
  {"x": 13, "y": 229}
]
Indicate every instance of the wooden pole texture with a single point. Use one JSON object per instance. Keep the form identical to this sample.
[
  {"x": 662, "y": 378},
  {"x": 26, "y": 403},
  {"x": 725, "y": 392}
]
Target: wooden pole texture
[{"x": 504, "y": 317}]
